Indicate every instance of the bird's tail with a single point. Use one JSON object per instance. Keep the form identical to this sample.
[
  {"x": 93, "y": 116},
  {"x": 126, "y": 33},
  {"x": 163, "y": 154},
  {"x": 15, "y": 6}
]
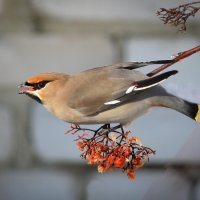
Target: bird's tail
[
  {"x": 187, "y": 108},
  {"x": 192, "y": 110},
  {"x": 197, "y": 115}
]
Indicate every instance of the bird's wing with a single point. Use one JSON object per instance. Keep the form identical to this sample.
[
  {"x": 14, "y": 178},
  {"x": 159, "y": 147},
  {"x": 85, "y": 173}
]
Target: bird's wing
[
  {"x": 136, "y": 88},
  {"x": 98, "y": 90},
  {"x": 132, "y": 65},
  {"x": 135, "y": 65}
]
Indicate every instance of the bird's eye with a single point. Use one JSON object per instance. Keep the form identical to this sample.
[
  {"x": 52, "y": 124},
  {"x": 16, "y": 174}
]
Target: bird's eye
[{"x": 40, "y": 85}]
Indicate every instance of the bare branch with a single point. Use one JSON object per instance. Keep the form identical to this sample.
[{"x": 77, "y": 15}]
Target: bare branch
[{"x": 178, "y": 16}]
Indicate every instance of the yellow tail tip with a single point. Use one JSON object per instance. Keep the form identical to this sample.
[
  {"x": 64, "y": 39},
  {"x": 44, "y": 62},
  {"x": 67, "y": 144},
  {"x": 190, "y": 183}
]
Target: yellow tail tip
[{"x": 197, "y": 118}]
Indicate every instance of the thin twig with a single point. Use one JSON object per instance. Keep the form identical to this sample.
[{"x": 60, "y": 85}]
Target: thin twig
[{"x": 180, "y": 56}]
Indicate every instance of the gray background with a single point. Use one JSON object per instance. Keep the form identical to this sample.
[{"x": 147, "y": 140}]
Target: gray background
[{"x": 37, "y": 160}]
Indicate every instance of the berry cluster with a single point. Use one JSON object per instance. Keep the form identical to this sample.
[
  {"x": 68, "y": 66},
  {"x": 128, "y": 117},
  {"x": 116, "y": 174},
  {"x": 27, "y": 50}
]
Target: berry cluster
[{"x": 110, "y": 148}]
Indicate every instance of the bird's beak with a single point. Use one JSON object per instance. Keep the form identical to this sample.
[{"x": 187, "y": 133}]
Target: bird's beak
[{"x": 24, "y": 89}]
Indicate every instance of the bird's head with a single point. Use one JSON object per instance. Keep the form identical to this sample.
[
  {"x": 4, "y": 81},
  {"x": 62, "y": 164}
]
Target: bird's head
[{"x": 43, "y": 86}]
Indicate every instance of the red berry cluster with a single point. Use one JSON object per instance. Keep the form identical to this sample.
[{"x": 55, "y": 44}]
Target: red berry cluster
[{"x": 110, "y": 149}]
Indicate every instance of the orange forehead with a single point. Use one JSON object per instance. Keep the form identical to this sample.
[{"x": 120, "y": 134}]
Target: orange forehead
[
  {"x": 36, "y": 79},
  {"x": 49, "y": 76}
]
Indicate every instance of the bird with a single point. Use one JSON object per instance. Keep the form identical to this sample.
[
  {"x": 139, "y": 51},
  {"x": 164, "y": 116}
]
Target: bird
[{"x": 117, "y": 93}]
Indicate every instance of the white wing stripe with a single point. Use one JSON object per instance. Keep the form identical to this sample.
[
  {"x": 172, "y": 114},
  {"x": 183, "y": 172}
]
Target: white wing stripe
[
  {"x": 133, "y": 88},
  {"x": 112, "y": 102},
  {"x": 130, "y": 89},
  {"x": 149, "y": 86}
]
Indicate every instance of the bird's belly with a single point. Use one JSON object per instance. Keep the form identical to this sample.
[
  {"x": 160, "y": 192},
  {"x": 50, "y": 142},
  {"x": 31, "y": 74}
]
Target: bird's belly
[{"x": 123, "y": 114}]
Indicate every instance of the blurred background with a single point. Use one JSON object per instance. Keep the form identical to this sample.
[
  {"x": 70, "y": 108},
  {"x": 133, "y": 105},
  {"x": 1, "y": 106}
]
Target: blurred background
[{"x": 37, "y": 160}]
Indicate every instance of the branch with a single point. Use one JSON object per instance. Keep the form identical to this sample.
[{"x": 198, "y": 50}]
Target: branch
[
  {"x": 180, "y": 56},
  {"x": 178, "y": 16}
]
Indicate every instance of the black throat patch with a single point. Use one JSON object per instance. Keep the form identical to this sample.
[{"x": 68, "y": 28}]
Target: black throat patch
[{"x": 35, "y": 98}]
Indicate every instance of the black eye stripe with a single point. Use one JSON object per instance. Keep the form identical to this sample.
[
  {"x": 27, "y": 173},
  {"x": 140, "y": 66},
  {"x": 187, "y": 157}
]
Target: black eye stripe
[
  {"x": 38, "y": 85},
  {"x": 28, "y": 84}
]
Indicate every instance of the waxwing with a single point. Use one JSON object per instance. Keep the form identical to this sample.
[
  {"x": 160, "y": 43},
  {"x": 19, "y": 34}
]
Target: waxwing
[{"x": 109, "y": 94}]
